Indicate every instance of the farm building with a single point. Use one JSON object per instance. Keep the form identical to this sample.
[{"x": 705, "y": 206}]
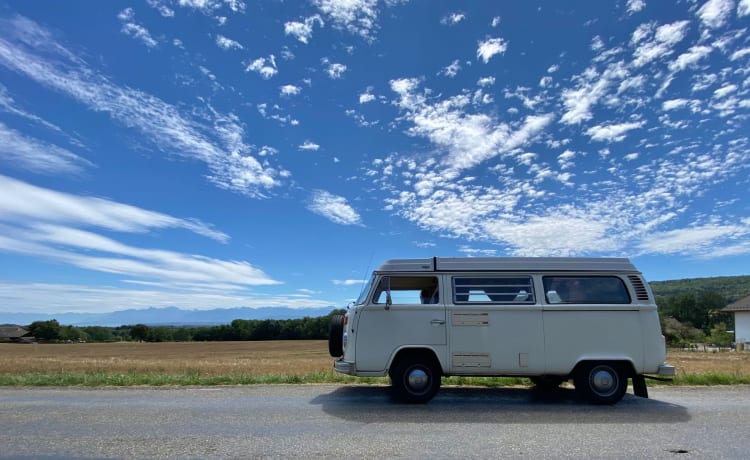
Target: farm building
[
  {"x": 9, "y": 333},
  {"x": 741, "y": 310}
]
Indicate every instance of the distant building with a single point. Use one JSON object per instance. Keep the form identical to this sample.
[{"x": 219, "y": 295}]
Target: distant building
[
  {"x": 741, "y": 310},
  {"x": 15, "y": 334}
]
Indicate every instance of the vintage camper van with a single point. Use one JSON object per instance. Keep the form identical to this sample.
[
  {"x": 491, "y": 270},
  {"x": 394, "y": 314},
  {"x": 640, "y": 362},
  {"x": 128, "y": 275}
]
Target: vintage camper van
[{"x": 592, "y": 320}]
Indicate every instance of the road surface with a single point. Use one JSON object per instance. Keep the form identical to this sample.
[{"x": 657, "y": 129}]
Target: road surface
[{"x": 333, "y": 421}]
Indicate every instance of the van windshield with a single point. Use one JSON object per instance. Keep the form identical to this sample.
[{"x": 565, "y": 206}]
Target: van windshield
[{"x": 365, "y": 290}]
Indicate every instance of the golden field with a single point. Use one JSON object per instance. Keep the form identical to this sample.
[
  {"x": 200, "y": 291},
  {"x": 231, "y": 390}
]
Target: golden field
[
  {"x": 204, "y": 358},
  {"x": 301, "y": 357}
]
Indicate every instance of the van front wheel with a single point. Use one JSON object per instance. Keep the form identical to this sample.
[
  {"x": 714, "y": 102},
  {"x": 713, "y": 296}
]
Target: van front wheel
[
  {"x": 415, "y": 379},
  {"x": 601, "y": 383}
]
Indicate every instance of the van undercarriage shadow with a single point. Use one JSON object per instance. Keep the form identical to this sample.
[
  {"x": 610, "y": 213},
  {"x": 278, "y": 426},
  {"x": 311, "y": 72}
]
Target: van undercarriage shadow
[{"x": 374, "y": 404}]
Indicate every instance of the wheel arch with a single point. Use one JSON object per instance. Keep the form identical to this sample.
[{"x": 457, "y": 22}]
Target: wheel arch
[
  {"x": 624, "y": 361},
  {"x": 414, "y": 351}
]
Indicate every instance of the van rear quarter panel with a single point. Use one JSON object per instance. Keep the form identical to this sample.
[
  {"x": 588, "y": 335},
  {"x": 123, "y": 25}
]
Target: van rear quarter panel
[{"x": 591, "y": 333}]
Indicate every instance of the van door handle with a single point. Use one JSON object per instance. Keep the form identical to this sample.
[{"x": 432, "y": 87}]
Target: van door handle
[{"x": 437, "y": 322}]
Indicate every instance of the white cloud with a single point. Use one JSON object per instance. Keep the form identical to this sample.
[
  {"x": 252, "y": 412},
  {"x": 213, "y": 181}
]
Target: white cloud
[
  {"x": 724, "y": 91},
  {"x": 164, "y": 10},
  {"x": 714, "y": 13},
  {"x": 467, "y": 139},
  {"x": 661, "y": 44},
  {"x": 364, "y": 98},
  {"x": 334, "y": 208},
  {"x": 743, "y": 8},
  {"x": 495, "y": 21},
  {"x": 612, "y": 133},
  {"x": 689, "y": 59},
  {"x": 674, "y": 104},
  {"x": 210, "y": 6},
  {"x": 451, "y": 70},
  {"x": 634, "y": 6},
  {"x": 590, "y": 88},
  {"x": 333, "y": 69},
  {"x": 217, "y": 142},
  {"x": 358, "y": 17},
  {"x": 19, "y": 151},
  {"x": 693, "y": 240},
  {"x": 227, "y": 43},
  {"x": 739, "y": 54},
  {"x": 348, "y": 282},
  {"x": 68, "y": 229},
  {"x": 265, "y": 67},
  {"x": 303, "y": 31},
  {"x": 486, "y": 81},
  {"x": 452, "y": 19},
  {"x": 290, "y": 90},
  {"x": 137, "y": 31},
  {"x": 491, "y": 47},
  {"x": 23, "y": 202},
  {"x": 309, "y": 145}
]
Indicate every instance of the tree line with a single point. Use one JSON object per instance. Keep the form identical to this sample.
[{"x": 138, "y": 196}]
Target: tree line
[
  {"x": 695, "y": 317},
  {"x": 687, "y": 317},
  {"x": 240, "y": 329}
]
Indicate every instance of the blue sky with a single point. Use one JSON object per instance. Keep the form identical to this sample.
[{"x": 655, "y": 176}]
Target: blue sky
[{"x": 225, "y": 153}]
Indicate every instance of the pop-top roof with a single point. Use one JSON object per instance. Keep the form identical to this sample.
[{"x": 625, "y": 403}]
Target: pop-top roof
[{"x": 514, "y": 264}]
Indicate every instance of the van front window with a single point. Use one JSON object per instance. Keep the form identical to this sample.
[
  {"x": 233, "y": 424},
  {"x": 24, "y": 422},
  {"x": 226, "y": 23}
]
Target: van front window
[{"x": 365, "y": 290}]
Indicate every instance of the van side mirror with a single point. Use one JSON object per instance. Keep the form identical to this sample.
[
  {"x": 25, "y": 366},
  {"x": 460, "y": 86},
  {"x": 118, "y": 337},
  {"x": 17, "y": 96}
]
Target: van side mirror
[{"x": 388, "y": 299}]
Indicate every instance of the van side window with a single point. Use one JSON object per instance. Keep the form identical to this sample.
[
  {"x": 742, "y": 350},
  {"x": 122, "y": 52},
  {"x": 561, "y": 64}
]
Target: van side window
[
  {"x": 493, "y": 289},
  {"x": 585, "y": 289},
  {"x": 407, "y": 290}
]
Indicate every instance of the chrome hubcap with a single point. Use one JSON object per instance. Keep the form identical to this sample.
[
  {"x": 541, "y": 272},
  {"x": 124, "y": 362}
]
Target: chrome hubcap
[
  {"x": 603, "y": 381},
  {"x": 418, "y": 379}
]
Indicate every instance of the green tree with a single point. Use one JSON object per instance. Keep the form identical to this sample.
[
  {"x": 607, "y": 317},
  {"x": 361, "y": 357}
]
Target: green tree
[
  {"x": 720, "y": 336},
  {"x": 681, "y": 334},
  {"x": 139, "y": 332},
  {"x": 159, "y": 334},
  {"x": 99, "y": 333},
  {"x": 45, "y": 330},
  {"x": 71, "y": 333}
]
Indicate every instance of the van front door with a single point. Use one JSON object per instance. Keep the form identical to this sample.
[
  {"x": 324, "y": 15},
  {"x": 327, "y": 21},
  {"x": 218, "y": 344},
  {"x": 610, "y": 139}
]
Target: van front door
[{"x": 403, "y": 311}]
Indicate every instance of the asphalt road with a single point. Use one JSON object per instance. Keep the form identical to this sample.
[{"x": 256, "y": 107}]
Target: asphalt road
[{"x": 330, "y": 421}]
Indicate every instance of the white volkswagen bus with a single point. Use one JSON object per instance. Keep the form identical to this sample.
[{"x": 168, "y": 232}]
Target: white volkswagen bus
[{"x": 592, "y": 320}]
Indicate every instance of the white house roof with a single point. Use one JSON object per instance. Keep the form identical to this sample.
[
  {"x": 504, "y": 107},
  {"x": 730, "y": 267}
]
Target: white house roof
[
  {"x": 514, "y": 264},
  {"x": 741, "y": 305}
]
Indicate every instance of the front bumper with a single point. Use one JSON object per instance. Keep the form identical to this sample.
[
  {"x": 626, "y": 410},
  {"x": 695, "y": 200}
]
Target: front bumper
[{"x": 344, "y": 367}]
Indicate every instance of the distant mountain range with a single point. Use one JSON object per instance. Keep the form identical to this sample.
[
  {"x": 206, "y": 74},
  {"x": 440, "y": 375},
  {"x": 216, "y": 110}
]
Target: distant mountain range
[
  {"x": 730, "y": 287},
  {"x": 165, "y": 316}
]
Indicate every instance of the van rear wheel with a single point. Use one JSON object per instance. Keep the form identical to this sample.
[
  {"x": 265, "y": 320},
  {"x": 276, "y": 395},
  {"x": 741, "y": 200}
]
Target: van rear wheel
[
  {"x": 601, "y": 382},
  {"x": 415, "y": 379}
]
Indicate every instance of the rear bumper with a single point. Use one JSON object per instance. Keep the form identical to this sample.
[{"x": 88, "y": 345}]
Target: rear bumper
[
  {"x": 666, "y": 370},
  {"x": 344, "y": 367}
]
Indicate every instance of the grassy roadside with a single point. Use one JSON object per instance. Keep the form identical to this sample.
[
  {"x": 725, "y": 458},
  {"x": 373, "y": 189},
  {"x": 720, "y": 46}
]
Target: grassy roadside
[{"x": 272, "y": 362}]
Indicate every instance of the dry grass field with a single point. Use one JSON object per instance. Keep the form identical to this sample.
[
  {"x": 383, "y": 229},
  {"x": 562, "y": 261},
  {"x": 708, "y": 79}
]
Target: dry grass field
[
  {"x": 203, "y": 358},
  {"x": 247, "y": 358}
]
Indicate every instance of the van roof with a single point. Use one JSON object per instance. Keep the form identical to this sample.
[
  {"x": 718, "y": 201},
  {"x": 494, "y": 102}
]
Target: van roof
[{"x": 514, "y": 264}]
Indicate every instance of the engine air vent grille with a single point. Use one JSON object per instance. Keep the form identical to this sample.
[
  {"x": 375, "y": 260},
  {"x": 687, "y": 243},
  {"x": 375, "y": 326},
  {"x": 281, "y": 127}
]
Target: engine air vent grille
[{"x": 641, "y": 293}]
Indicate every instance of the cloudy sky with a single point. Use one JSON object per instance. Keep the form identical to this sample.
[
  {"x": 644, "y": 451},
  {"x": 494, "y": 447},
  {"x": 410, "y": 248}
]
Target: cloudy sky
[{"x": 223, "y": 153}]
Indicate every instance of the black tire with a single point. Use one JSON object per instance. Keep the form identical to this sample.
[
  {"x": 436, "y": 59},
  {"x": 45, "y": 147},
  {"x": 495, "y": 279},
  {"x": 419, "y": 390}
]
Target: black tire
[
  {"x": 601, "y": 382},
  {"x": 415, "y": 379},
  {"x": 336, "y": 336}
]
